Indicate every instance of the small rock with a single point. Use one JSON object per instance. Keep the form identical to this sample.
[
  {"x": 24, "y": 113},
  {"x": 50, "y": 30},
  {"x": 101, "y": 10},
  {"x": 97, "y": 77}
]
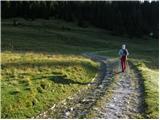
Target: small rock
[
  {"x": 67, "y": 113},
  {"x": 53, "y": 107},
  {"x": 134, "y": 110},
  {"x": 70, "y": 98},
  {"x": 101, "y": 86},
  {"x": 127, "y": 102},
  {"x": 114, "y": 98},
  {"x": 82, "y": 113},
  {"x": 84, "y": 100},
  {"x": 112, "y": 105},
  {"x": 95, "y": 108},
  {"x": 44, "y": 115},
  {"x": 71, "y": 109},
  {"x": 125, "y": 117}
]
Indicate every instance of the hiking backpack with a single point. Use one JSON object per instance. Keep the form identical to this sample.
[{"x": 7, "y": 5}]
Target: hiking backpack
[{"x": 124, "y": 52}]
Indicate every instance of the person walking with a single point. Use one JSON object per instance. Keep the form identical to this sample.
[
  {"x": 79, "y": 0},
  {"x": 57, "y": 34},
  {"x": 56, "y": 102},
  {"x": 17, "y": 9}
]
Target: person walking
[{"x": 123, "y": 52}]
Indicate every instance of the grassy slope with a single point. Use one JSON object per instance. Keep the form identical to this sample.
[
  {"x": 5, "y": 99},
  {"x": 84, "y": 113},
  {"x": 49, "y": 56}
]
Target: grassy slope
[{"x": 59, "y": 37}]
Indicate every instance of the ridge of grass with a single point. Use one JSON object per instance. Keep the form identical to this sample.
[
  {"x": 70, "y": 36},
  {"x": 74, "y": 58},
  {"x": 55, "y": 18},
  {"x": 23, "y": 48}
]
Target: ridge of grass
[{"x": 151, "y": 89}]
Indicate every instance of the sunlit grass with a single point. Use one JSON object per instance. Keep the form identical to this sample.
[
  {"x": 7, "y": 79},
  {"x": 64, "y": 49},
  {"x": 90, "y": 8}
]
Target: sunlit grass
[
  {"x": 151, "y": 87},
  {"x": 33, "y": 82}
]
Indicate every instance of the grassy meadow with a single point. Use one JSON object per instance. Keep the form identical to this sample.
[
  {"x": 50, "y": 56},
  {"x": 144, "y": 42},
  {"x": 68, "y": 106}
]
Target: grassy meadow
[{"x": 42, "y": 63}]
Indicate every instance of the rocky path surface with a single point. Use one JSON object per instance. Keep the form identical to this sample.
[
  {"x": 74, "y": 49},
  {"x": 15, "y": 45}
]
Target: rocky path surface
[{"x": 125, "y": 99}]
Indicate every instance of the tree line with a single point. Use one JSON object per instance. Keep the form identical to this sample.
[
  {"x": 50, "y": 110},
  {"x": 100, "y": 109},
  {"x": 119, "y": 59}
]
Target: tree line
[{"x": 133, "y": 18}]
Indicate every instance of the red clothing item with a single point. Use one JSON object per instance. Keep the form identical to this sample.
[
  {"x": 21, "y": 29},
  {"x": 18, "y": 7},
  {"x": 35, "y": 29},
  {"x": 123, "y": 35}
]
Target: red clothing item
[{"x": 123, "y": 63}]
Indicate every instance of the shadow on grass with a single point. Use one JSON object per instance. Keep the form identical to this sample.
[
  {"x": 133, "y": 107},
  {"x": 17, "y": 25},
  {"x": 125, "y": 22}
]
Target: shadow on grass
[
  {"x": 14, "y": 92},
  {"x": 45, "y": 64},
  {"x": 61, "y": 79},
  {"x": 115, "y": 73}
]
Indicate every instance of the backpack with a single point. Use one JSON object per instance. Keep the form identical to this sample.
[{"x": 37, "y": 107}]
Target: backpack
[{"x": 124, "y": 52}]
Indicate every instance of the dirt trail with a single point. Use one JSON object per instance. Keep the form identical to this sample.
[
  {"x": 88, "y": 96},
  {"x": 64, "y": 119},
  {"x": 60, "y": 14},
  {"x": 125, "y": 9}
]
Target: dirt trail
[{"x": 125, "y": 100}]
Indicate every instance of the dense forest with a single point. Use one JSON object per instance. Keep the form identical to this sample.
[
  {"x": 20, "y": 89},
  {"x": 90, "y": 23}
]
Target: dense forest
[{"x": 133, "y": 18}]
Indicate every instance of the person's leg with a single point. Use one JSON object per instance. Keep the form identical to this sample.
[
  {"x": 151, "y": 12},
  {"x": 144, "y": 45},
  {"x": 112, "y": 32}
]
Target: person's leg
[{"x": 122, "y": 64}]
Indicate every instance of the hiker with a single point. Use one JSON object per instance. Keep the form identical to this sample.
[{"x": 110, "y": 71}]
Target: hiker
[{"x": 123, "y": 52}]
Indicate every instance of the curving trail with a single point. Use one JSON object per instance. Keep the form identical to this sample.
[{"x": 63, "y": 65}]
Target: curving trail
[{"x": 120, "y": 95}]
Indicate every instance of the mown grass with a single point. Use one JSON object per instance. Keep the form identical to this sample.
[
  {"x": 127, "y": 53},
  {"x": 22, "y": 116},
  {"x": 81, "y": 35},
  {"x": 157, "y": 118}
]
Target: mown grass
[
  {"x": 32, "y": 82},
  {"x": 57, "y": 37}
]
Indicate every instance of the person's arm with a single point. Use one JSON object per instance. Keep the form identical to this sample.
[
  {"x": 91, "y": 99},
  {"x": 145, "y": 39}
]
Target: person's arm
[
  {"x": 120, "y": 53},
  {"x": 127, "y": 54}
]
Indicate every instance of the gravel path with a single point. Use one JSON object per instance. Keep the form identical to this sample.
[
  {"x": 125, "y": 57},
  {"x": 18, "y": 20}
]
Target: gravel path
[{"x": 124, "y": 102}]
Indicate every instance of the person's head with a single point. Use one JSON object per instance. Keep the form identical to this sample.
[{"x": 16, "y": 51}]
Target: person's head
[{"x": 123, "y": 46}]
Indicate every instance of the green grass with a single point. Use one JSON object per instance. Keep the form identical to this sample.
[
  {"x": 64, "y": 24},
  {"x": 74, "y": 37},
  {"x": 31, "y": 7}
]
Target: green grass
[
  {"x": 151, "y": 87},
  {"x": 49, "y": 36},
  {"x": 35, "y": 55},
  {"x": 32, "y": 82}
]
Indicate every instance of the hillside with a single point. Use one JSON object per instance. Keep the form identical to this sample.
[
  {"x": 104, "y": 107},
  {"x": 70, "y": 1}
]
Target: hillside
[{"x": 37, "y": 55}]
